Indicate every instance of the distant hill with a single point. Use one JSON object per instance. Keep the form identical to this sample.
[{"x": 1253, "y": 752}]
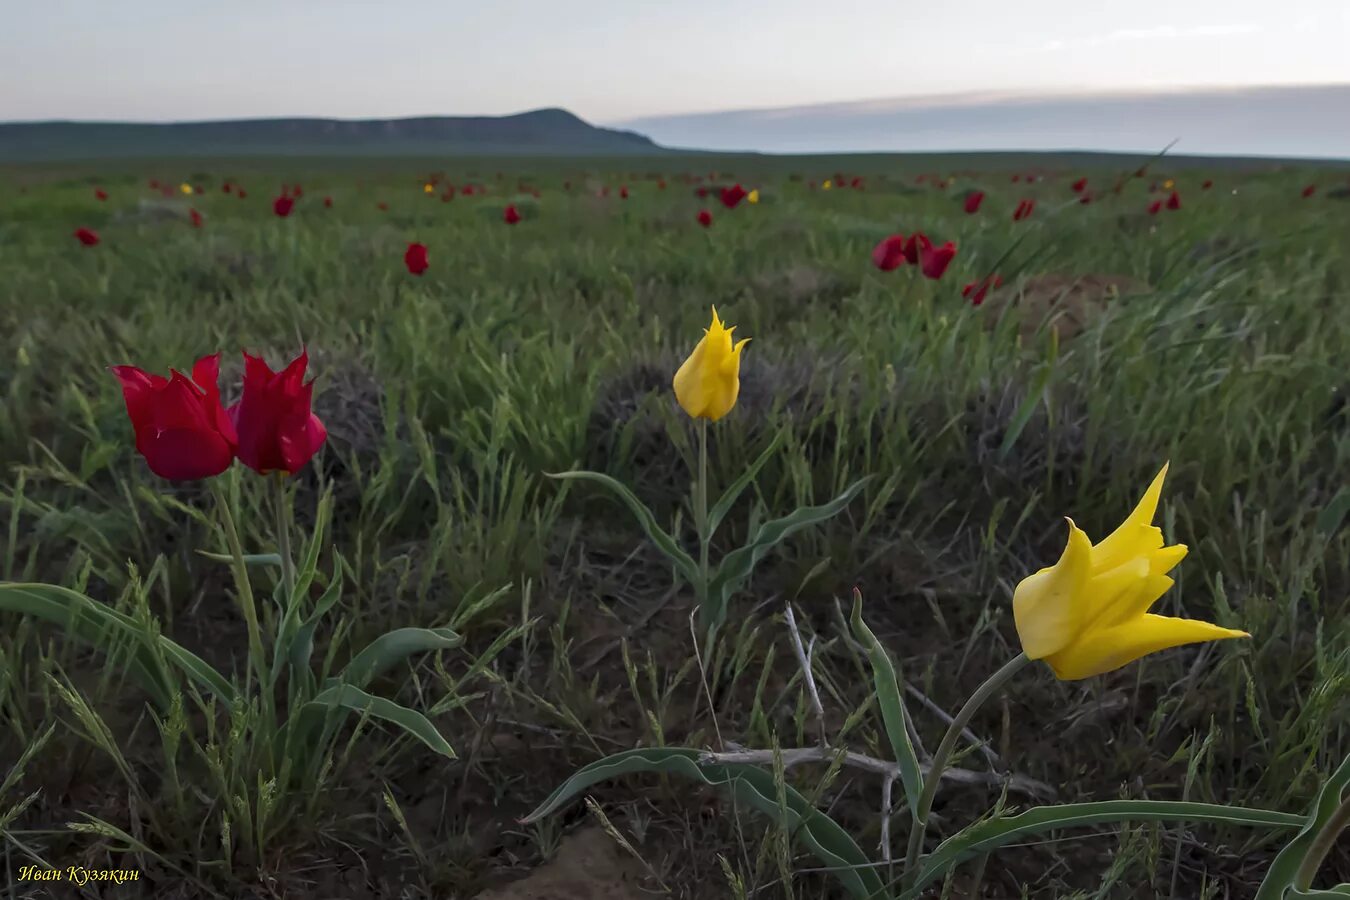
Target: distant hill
[
  {"x": 542, "y": 132},
  {"x": 1292, "y": 121}
]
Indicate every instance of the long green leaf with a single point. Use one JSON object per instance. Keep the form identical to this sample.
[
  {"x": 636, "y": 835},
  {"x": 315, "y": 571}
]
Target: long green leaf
[
  {"x": 646, "y": 520},
  {"x": 250, "y": 559},
  {"x": 351, "y": 698},
  {"x": 729, "y": 497},
  {"x": 818, "y": 832},
  {"x": 104, "y": 627},
  {"x": 737, "y": 565},
  {"x": 299, "y": 648},
  {"x": 1333, "y": 893},
  {"x": 1281, "y": 876},
  {"x": 392, "y": 648},
  {"x": 893, "y": 713},
  {"x": 993, "y": 833},
  {"x": 1024, "y": 412}
]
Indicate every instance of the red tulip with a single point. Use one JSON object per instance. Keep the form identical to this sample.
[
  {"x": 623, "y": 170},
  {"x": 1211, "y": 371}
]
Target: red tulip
[
  {"x": 328, "y": 202},
  {"x": 917, "y": 245},
  {"x": 1079, "y": 186},
  {"x": 976, "y": 291},
  {"x": 467, "y": 191},
  {"x": 855, "y": 183},
  {"x": 100, "y": 194},
  {"x": 1309, "y": 190},
  {"x": 732, "y": 196},
  {"x": 661, "y": 184},
  {"x": 154, "y": 184},
  {"x": 282, "y": 205},
  {"x": 227, "y": 187},
  {"x": 623, "y": 193},
  {"x": 933, "y": 261},
  {"x": 1016, "y": 178},
  {"x": 86, "y": 236},
  {"x": 296, "y": 192},
  {"x": 196, "y": 218},
  {"x": 415, "y": 258},
  {"x": 242, "y": 194},
  {"x": 1207, "y": 185},
  {"x": 1174, "y": 201},
  {"x": 1154, "y": 207},
  {"x": 705, "y": 218},
  {"x": 702, "y": 192},
  {"x": 181, "y": 428},
  {"x": 890, "y": 253},
  {"x": 382, "y": 206},
  {"x": 510, "y": 216},
  {"x": 1024, "y": 210},
  {"x": 973, "y": 201},
  {"x": 277, "y": 429}
]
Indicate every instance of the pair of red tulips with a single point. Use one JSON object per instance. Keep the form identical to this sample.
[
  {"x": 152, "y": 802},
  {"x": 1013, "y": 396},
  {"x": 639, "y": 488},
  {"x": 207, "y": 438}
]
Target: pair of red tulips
[{"x": 185, "y": 433}]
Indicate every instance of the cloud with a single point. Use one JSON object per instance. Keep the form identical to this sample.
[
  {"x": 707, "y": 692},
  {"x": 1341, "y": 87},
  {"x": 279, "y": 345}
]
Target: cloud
[{"x": 1158, "y": 33}]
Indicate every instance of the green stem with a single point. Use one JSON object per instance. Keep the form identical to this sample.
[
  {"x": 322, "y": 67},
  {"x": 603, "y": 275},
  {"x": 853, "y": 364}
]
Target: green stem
[
  {"x": 943, "y": 757},
  {"x": 1321, "y": 846},
  {"x": 284, "y": 539},
  {"x": 257, "y": 661},
  {"x": 701, "y": 508}
]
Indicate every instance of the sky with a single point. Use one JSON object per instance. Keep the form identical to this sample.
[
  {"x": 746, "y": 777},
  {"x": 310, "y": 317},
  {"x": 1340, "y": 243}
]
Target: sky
[{"x": 614, "y": 61}]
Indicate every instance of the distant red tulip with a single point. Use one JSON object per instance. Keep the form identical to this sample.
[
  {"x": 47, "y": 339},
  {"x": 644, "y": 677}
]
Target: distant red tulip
[
  {"x": 1079, "y": 186},
  {"x": 328, "y": 202},
  {"x": 415, "y": 258},
  {"x": 86, "y": 236},
  {"x": 705, "y": 218},
  {"x": 973, "y": 201},
  {"x": 976, "y": 291},
  {"x": 181, "y": 428},
  {"x": 277, "y": 428},
  {"x": 732, "y": 196},
  {"x": 933, "y": 261},
  {"x": 1024, "y": 210},
  {"x": 510, "y": 216},
  {"x": 382, "y": 206},
  {"x": 154, "y": 184},
  {"x": 1208, "y": 183},
  {"x": 241, "y": 194},
  {"x": 623, "y": 193},
  {"x": 1154, "y": 207},
  {"x": 282, "y": 205},
  {"x": 296, "y": 192},
  {"x": 856, "y": 183},
  {"x": 917, "y": 245},
  {"x": 1309, "y": 190},
  {"x": 467, "y": 191},
  {"x": 196, "y": 218},
  {"x": 1140, "y": 172},
  {"x": 661, "y": 184},
  {"x": 1016, "y": 178},
  {"x": 889, "y": 254},
  {"x": 702, "y": 192},
  {"x": 100, "y": 194},
  {"x": 226, "y": 187},
  {"x": 1174, "y": 201}
]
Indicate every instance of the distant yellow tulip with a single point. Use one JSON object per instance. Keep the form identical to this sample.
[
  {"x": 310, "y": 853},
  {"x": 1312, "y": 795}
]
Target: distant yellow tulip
[
  {"x": 708, "y": 383},
  {"x": 428, "y": 188},
  {"x": 185, "y": 188},
  {"x": 1167, "y": 185},
  {"x": 753, "y": 196},
  {"x": 827, "y": 185},
  {"x": 1088, "y": 613}
]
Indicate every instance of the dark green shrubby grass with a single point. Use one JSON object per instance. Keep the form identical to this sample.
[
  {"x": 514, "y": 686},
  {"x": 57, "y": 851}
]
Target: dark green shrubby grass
[{"x": 550, "y": 345}]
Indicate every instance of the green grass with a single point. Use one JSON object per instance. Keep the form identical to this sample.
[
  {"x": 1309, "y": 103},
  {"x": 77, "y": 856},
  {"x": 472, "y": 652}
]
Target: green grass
[{"x": 550, "y": 345}]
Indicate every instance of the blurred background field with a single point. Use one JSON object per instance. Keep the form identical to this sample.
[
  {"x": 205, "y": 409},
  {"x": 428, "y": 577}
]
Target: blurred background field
[{"x": 1214, "y": 336}]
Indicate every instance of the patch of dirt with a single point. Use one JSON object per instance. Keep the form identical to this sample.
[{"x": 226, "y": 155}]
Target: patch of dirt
[
  {"x": 1066, "y": 303},
  {"x": 589, "y": 866},
  {"x": 799, "y": 283}
]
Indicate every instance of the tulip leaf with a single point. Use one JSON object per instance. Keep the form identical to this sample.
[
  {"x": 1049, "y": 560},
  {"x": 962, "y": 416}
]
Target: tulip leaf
[
  {"x": 999, "y": 830},
  {"x": 728, "y": 499},
  {"x": 1333, "y": 893},
  {"x": 392, "y": 648},
  {"x": 250, "y": 559},
  {"x": 658, "y": 535},
  {"x": 748, "y": 784},
  {"x": 893, "y": 713},
  {"x": 737, "y": 566},
  {"x": 347, "y": 697},
  {"x": 1025, "y": 411},
  {"x": 1283, "y": 873},
  {"x": 107, "y": 629},
  {"x": 299, "y": 646}
]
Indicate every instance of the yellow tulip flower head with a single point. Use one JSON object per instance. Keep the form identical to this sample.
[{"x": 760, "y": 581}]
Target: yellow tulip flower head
[
  {"x": 753, "y": 196},
  {"x": 1167, "y": 185},
  {"x": 185, "y": 188},
  {"x": 708, "y": 383},
  {"x": 1088, "y": 613},
  {"x": 827, "y": 185},
  {"x": 428, "y": 188}
]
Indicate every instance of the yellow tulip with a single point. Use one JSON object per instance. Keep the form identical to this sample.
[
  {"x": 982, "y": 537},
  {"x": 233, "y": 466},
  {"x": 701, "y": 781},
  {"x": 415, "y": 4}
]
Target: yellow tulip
[
  {"x": 185, "y": 188},
  {"x": 1088, "y": 613},
  {"x": 708, "y": 383},
  {"x": 1167, "y": 185},
  {"x": 753, "y": 196},
  {"x": 428, "y": 188},
  {"x": 827, "y": 185}
]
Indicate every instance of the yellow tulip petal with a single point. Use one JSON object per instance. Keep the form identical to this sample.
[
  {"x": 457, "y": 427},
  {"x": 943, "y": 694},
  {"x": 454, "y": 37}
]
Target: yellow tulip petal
[
  {"x": 1132, "y": 604},
  {"x": 1045, "y": 607},
  {"x": 1108, "y": 649},
  {"x": 1136, "y": 536},
  {"x": 1162, "y": 561},
  {"x": 1104, "y": 592}
]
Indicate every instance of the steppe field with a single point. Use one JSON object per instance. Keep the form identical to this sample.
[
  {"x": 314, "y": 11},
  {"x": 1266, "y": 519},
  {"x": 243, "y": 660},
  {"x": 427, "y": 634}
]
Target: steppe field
[{"x": 378, "y": 663}]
